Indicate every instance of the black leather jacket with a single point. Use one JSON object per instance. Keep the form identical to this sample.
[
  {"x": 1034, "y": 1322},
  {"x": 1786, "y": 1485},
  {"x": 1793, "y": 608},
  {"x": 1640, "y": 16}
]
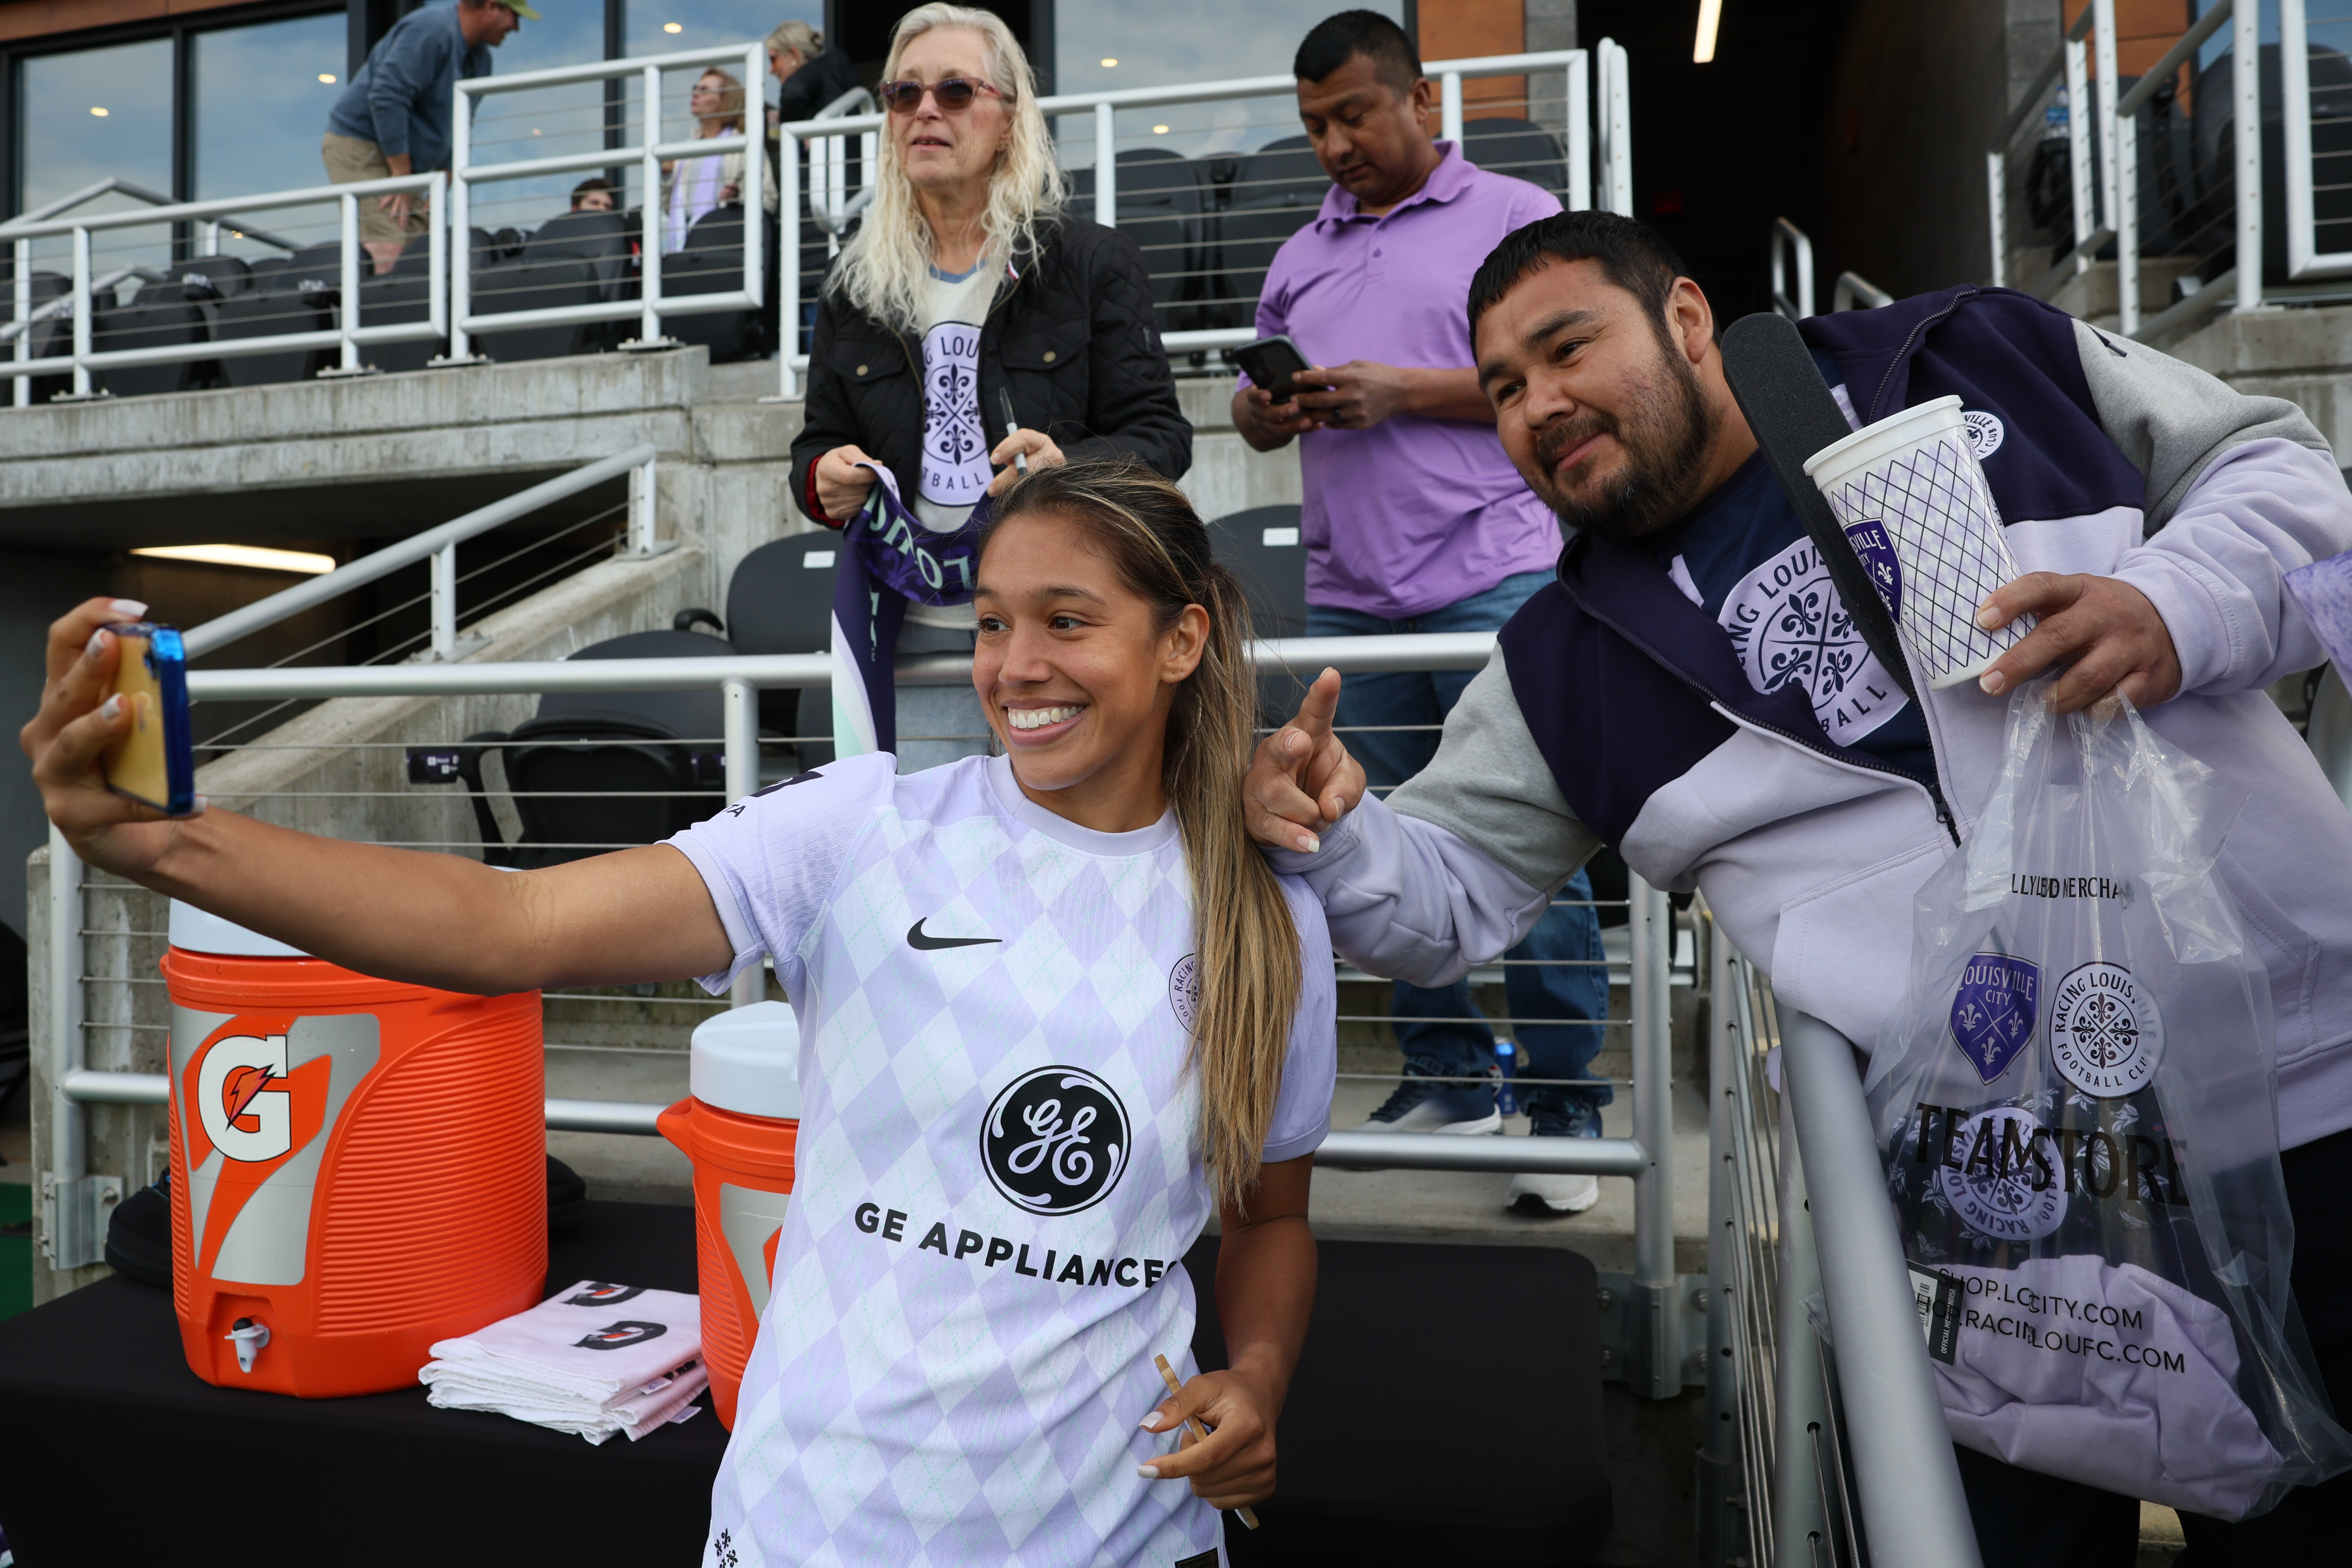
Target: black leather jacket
[{"x": 1072, "y": 339}]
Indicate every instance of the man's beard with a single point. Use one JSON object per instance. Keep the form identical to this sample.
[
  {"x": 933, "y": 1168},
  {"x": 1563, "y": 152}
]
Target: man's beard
[{"x": 1666, "y": 432}]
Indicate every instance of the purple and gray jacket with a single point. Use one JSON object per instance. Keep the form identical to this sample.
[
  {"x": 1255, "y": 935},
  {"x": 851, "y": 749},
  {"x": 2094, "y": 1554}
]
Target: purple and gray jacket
[{"x": 1614, "y": 712}]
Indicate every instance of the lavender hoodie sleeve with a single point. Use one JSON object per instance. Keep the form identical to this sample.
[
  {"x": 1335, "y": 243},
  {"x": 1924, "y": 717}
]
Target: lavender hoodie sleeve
[
  {"x": 2240, "y": 491},
  {"x": 1460, "y": 861}
]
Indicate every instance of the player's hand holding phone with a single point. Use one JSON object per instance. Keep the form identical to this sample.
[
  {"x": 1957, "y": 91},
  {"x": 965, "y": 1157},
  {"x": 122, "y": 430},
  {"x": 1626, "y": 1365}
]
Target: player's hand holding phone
[{"x": 102, "y": 739}]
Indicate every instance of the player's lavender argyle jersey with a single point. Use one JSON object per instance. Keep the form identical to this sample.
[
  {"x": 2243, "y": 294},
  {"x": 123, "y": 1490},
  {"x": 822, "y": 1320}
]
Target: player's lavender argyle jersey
[{"x": 998, "y": 1172}]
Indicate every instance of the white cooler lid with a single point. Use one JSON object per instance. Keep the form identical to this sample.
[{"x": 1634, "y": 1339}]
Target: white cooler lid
[
  {"x": 747, "y": 1060},
  {"x": 194, "y": 931}
]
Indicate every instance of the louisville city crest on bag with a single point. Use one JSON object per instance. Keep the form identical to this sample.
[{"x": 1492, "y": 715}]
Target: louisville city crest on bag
[{"x": 2078, "y": 1118}]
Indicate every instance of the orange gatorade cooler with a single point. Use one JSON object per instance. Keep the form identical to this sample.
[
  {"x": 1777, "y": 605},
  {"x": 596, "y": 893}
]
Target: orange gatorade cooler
[
  {"x": 358, "y": 1166},
  {"x": 738, "y": 1125}
]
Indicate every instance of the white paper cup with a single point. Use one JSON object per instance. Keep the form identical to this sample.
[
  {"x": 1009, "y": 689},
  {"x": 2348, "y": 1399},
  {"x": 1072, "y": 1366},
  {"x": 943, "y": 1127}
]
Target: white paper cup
[{"x": 1909, "y": 494}]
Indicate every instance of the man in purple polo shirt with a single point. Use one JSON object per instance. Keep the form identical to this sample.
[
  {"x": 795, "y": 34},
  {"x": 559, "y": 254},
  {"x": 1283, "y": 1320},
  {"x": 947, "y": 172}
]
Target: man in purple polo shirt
[{"x": 1416, "y": 521}]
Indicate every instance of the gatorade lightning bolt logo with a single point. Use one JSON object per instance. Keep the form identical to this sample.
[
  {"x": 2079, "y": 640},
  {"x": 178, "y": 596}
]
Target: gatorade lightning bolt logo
[{"x": 249, "y": 1105}]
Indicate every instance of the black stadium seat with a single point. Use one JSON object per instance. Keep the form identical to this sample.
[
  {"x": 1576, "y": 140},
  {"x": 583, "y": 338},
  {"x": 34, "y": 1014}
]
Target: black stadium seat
[
  {"x": 163, "y": 315},
  {"x": 225, "y": 276},
  {"x": 397, "y": 300},
  {"x": 596, "y": 238},
  {"x": 1517, "y": 148},
  {"x": 712, "y": 263},
  {"x": 780, "y": 600},
  {"x": 283, "y": 298},
  {"x": 1276, "y": 192},
  {"x": 596, "y": 769},
  {"x": 532, "y": 286},
  {"x": 1262, "y": 547},
  {"x": 1165, "y": 203}
]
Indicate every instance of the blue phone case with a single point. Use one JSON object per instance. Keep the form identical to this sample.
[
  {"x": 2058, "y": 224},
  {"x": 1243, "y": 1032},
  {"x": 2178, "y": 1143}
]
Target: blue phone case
[{"x": 167, "y": 664}]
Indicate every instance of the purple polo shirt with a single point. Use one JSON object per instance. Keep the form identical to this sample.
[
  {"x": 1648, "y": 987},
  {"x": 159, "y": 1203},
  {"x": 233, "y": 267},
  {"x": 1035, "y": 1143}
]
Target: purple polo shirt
[{"x": 1413, "y": 513}]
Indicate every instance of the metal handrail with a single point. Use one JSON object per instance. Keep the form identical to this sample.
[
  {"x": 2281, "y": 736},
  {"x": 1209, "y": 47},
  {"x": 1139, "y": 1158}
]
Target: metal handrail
[
  {"x": 441, "y": 543},
  {"x": 118, "y": 185},
  {"x": 1901, "y": 1451},
  {"x": 651, "y": 305},
  {"x": 1854, "y": 289},
  {"x": 1787, "y": 238}
]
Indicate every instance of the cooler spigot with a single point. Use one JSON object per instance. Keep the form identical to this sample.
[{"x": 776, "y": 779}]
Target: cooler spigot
[{"x": 249, "y": 1337}]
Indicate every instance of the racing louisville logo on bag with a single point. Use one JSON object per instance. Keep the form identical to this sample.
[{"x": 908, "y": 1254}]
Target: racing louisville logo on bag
[{"x": 2104, "y": 1033}]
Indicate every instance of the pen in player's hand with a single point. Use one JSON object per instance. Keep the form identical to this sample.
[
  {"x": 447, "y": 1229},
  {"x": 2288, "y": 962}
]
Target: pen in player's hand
[{"x": 1012, "y": 428}]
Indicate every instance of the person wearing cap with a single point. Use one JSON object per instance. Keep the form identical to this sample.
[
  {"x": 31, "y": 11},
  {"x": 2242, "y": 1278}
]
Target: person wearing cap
[{"x": 393, "y": 118}]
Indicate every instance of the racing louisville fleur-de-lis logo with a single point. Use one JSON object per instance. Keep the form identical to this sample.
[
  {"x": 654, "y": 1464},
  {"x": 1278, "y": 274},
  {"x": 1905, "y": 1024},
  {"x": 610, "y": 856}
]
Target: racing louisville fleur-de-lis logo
[
  {"x": 2106, "y": 1036},
  {"x": 1056, "y": 1140},
  {"x": 1994, "y": 1011}
]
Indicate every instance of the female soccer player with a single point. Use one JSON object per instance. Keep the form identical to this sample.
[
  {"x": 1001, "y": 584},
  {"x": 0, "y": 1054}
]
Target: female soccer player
[{"x": 1053, "y": 1004}]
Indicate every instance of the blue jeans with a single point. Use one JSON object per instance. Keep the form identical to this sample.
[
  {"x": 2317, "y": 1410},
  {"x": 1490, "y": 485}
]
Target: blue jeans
[{"x": 1390, "y": 724}]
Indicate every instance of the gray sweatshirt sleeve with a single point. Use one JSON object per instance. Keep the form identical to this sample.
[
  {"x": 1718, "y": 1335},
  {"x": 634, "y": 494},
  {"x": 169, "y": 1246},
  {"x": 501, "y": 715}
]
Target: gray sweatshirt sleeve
[
  {"x": 2240, "y": 491},
  {"x": 1460, "y": 861}
]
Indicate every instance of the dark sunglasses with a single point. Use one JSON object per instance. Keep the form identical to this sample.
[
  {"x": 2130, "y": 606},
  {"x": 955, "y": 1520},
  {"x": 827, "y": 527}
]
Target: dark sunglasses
[{"x": 955, "y": 93}]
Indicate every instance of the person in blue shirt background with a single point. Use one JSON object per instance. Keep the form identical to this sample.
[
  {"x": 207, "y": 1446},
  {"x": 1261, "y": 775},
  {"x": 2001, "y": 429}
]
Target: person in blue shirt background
[{"x": 393, "y": 118}]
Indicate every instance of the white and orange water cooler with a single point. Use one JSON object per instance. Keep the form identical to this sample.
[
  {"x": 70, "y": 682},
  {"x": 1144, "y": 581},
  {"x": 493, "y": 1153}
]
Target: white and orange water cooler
[
  {"x": 358, "y": 1166},
  {"x": 739, "y": 1124}
]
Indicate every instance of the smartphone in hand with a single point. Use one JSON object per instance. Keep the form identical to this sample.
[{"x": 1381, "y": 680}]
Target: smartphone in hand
[
  {"x": 1272, "y": 362},
  {"x": 153, "y": 762}
]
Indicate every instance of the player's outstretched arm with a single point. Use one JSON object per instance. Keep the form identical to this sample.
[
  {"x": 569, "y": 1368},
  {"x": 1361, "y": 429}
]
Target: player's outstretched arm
[
  {"x": 437, "y": 920},
  {"x": 1266, "y": 1290},
  {"x": 1302, "y": 779}
]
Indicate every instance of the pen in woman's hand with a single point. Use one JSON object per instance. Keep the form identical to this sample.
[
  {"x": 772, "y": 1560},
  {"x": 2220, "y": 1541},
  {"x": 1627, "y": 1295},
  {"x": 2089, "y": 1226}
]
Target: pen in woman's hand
[{"x": 1012, "y": 428}]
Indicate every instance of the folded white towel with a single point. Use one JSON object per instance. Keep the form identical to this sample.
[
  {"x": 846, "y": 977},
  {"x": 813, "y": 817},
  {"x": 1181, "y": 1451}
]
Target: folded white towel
[{"x": 594, "y": 1359}]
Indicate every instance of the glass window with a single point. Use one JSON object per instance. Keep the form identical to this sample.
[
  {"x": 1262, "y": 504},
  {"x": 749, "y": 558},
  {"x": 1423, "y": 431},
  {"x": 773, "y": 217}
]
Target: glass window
[
  {"x": 1105, "y": 44},
  {"x": 539, "y": 122},
  {"x": 86, "y": 115},
  {"x": 660, "y": 26},
  {"x": 261, "y": 98}
]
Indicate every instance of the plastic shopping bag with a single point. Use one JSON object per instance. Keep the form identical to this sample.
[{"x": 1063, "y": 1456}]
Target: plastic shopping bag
[{"x": 2079, "y": 1121}]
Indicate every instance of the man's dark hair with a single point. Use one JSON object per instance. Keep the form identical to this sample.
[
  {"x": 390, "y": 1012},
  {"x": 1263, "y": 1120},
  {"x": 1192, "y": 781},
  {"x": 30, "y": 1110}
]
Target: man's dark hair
[
  {"x": 1632, "y": 256},
  {"x": 1337, "y": 40},
  {"x": 593, "y": 182}
]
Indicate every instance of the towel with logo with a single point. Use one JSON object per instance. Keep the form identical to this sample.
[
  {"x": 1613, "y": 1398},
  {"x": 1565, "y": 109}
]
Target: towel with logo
[{"x": 596, "y": 1359}]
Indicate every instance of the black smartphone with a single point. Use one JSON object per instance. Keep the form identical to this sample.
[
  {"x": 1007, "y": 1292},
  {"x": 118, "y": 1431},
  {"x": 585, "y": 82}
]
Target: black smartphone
[
  {"x": 1272, "y": 362},
  {"x": 153, "y": 762}
]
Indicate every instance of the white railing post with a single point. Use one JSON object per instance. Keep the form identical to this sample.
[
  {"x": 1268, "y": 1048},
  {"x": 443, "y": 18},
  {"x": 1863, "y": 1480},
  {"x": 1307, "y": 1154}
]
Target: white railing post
[
  {"x": 83, "y": 305},
  {"x": 22, "y": 280},
  {"x": 436, "y": 282},
  {"x": 1106, "y": 167},
  {"x": 461, "y": 228},
  {"x": 1449, "y": 107},
  {"x": 650, "y": 267},
  {"x": 739, "y": 701},
  {"x": 75, "y": 1205},
  {"x": 2295, "y": 89},
  {"x": 2078, "y": 151},
  {"x": 1579, "y": 133},
  {"x": 788, "y": 267},
  {"x": 2245, "y": 81},
  {"x": 1617, "y": 133},
  {"x": 444, "y": 600},
  {"x": 1721, "y": 1521},
  {"x": 1997, "y": 199},
  {"x": 1801, "y": 1407},
  {"x": 1788, "y": 237},
  {"x": 2102, "y": 13},
  {"x": 347, "y": 314},
  {"x": 641, "y": 509},
  {"x": 1653, "y": 1324},
  {"x": 754, "y": 190}
]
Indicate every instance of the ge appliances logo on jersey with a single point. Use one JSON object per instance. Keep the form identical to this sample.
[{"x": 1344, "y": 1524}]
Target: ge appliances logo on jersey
[
  {"x": 242, "y": 1113},
  {"x": 1056, "y": 1140}
]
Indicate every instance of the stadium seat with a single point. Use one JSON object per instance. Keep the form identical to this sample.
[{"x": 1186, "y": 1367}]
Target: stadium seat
[
  {"x": 1262, "y": 547},
  {"x": 532, "y": 286},
  {"x": 1165, "y": 206},
  {"x": 1517, "y": 148},
  {"x": 712, "y": 263},
  {"x": 780, "y": 600},
  {"x": 225, "y": 276},
  {"x": 397, "y": 300},
  {"x": 50, "y": 337},
  {"x": 596, "y": 770},
  {"x": 283, "y": 298},
  {"x": 596, "y": 238},
  {"x": 1277, "y": 191},
  {"x": 169, "y": 314}
]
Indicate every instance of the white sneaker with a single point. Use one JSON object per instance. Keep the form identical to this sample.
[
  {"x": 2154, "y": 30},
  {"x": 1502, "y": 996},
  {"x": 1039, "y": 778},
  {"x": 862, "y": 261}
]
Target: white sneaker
[{"x": 1550, "y": 1197}]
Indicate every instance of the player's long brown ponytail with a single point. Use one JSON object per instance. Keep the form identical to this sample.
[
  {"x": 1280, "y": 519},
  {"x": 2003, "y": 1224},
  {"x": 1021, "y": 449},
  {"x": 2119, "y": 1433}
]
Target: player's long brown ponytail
[{"x": 1247, "y": 943}]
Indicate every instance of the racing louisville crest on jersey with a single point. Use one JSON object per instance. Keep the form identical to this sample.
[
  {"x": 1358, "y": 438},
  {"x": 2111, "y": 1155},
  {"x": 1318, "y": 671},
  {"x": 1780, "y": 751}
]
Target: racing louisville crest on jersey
[
  {"x": 1056, "y": 1140},
  {"x": 2105, "y": 1034},
  {"x": 1994, "y": 1011},
  {"x": 623, "y": 1334},
  {"x": 1877, "y": 554},
  {"x": 1986, "y": 432},
  {"x": 1185, "y": 989},
  {"x": 601, "y": 1295}
]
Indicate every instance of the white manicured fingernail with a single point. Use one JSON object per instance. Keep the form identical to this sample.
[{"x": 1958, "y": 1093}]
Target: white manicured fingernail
[
  {"x": 1990, "y": 618},
  {"x": 1148, "y": 1472},
  {"x": 1310, "y": 845},
  {"x": 202, "y": 806},
  {"x": 1992, "y": 682},
  {"x": 1147, "y": 1422},
  {"x": 95, "y": 645},
  {"x": 129, "y": 609},
  {"x": 111, "y": 708}
]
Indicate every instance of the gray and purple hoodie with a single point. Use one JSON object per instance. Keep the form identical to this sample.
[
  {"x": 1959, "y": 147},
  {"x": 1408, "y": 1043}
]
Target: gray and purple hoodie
[{"x": 1617, "y": 710}]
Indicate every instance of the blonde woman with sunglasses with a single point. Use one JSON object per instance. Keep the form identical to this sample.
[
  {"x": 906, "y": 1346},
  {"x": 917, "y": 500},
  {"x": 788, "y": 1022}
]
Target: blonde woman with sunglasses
[
  {"x": 694, "y": 186},
  {"x": 966, "y": 284}
]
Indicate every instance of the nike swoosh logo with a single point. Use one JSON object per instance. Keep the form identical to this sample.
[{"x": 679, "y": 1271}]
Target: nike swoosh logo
[{"x": 922, "y": 944}]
